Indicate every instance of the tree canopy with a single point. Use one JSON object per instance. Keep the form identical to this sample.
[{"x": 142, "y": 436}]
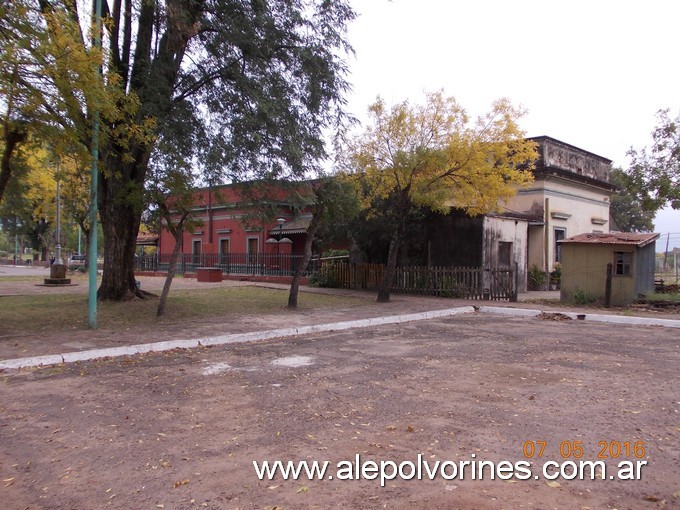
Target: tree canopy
[
  {"x": 48, "y": 81},
  {"x": 626, "y": 207},
  {"x": 245, "y": 89},
  {"x": 431, "y": 155},
  {"x": 655, "y": 171}
]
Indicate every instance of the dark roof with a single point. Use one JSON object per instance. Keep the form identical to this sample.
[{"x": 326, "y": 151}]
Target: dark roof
[
  {"x": 147, "y": 240},
  {"x": 625, "y": 238},
  {"x": 298, "y": 226}
]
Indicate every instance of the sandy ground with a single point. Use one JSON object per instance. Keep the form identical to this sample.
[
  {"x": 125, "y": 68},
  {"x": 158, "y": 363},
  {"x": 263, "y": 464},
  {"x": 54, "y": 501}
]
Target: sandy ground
[{"x": 181, "y": 429}]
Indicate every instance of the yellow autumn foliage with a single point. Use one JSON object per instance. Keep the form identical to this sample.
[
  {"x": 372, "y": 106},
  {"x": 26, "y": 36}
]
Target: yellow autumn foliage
[{"x": 432, "y": 156}]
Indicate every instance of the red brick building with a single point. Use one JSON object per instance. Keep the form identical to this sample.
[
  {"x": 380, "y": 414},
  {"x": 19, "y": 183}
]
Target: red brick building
[{"x": 243, "y": 229}]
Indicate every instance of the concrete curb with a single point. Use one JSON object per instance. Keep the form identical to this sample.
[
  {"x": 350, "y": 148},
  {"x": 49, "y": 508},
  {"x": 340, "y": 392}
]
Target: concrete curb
[
  {"x": 612, "y": 319},
  {"x": 254, "y": 336},
  {"x": 271, "y": 334},
  {"x": 517, "y": 312}
]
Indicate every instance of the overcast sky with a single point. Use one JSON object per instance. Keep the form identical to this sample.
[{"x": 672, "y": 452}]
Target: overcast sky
[{"x": 592, "y": 73}]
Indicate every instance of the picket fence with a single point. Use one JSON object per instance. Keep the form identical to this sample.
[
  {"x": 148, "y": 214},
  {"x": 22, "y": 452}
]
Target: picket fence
[{"x": 456, "y": 282}]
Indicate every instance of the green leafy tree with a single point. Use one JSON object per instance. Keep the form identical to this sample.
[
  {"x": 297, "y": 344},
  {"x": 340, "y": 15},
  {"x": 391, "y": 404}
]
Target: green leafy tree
[
  {"x": 171, "y": 198},
  {"x": 655, "y": 171},
  {"x": 75, "y": 195},
  {"x": 430, "y": 156},
  {"x": 262, "y": 80},
  {"x": 626, "y": 208},
  {"x": 332, "y": 200}
]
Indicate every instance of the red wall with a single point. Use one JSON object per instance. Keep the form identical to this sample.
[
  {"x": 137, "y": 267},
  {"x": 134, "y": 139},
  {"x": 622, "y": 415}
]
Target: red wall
[{"x": 233, "y": 218}]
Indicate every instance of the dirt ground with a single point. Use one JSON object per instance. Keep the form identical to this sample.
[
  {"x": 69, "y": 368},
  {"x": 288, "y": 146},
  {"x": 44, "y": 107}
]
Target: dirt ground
[
  {"x": 359, "y": 305},
  {"x": 181, "y": 429}
]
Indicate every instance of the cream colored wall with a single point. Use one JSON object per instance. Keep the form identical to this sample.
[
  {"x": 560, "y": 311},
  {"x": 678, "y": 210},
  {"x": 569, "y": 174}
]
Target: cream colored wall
[
  {"x": 536, "y": 254},
  {"x": 582, "y": 204}
]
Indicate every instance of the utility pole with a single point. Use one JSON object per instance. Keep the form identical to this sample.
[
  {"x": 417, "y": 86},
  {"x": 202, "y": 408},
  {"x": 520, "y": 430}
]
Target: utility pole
[{"x": 94, "y": 185}]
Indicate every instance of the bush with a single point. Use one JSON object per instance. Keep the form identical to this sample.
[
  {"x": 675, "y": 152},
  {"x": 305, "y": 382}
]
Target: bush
[
  {"x": 335, "y": 253},
  {"x": 556, "y": 274},
  {"x": 581, "y": 298},
  {"x": 451, "y": 289},
  {"x": 325, "y": 278},
  {"x": 536, "y": 278}
]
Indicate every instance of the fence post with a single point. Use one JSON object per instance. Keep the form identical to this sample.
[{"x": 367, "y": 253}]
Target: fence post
[
  {"x": 515, "y": 283},
  {"x": 608, "y": 287}
]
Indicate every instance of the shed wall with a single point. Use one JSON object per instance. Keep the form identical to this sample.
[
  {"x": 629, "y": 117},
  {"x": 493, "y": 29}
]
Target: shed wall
[
  {"x": 646, "y": 265},
  {"x": 584, "y": 268}
]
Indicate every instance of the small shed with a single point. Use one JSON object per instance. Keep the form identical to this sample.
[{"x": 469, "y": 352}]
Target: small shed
[{"x": 585, "y": 258}]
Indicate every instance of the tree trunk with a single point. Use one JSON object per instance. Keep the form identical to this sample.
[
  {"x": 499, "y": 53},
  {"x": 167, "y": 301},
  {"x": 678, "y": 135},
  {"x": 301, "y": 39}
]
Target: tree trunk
[
  {"x": 307, "y": 255},
  {"x": 391, "y": 268},
  {"x": 87, "y": 233},
  {"x": 120, "y": 213},
  {"x": 395, "y": 242},
  {"x": 172, "y": 270},
  {"x": 13, "y": 138}
]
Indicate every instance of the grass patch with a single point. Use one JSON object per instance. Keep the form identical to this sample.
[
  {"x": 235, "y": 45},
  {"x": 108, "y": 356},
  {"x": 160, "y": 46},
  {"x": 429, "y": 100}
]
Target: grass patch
[
  {"x": 64, "y": 312},
  {"x": 22, "y": 278},
  {"x": 658, "y": 296}
]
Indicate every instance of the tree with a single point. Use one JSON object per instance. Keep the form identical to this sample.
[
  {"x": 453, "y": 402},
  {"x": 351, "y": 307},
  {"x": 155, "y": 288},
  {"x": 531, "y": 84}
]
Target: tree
[
  {"x": 30, "y": 201},
  {"x": 170, "y": 195},
  {"x": 48, "y": 80},
  {"x": 334, "y": 200},
  {"x": 267, "y": 75},
  {"x": 655, "y": 172},
  {"x": 75, "y": 195},
  {"x": 430, "y": 156},
  {"x": 263, "y": 80},
  {"x": 626, "y": 208}
]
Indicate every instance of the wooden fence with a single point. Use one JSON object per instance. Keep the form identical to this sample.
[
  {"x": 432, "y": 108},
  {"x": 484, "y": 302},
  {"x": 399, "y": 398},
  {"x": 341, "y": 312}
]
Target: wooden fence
[{"x": 456, "y": 282}]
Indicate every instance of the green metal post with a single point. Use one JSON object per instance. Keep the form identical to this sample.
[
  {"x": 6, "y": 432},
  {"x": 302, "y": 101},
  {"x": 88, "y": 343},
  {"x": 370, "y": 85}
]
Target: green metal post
[{"x": 94, "y": 184}]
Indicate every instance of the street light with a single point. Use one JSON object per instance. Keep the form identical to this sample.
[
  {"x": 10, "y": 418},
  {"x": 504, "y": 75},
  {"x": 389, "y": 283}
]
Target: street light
[
  {"x": 280, "y": 221},
  {"x": 57, "y": 259}
]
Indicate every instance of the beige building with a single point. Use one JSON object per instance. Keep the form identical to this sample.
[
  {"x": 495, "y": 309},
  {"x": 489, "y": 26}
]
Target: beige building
[{"x": 570, "y": 195}]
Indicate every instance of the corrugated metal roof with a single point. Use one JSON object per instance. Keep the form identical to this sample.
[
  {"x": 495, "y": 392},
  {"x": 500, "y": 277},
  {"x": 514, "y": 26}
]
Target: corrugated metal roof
[
  {"x": 297, "y": 226},
  {"x": 613, "y": 238}
]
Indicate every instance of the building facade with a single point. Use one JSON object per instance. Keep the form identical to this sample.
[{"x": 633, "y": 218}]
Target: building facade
[
  {"x": 570, "y": 195},
  {"x": 242, "y": 221}
]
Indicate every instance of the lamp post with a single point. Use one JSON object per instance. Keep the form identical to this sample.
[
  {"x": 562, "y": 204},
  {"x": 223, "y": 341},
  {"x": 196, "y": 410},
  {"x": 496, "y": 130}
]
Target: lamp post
[
  {"x": 57, "y": 248},
  {"x": 16, "y": 241},
  {"x": 280, "y": 221}
]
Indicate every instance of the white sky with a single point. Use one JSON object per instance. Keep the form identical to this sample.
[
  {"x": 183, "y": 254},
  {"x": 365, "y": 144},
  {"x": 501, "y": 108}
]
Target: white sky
[{"x": 592, "y": 73}]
